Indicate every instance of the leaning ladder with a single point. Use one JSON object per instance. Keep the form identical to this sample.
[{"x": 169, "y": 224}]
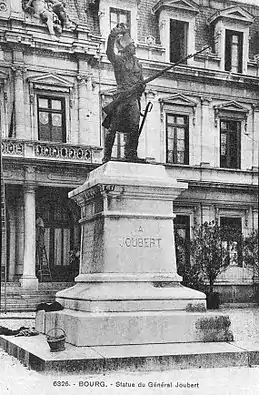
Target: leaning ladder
[{"x": 43, "y": 271}]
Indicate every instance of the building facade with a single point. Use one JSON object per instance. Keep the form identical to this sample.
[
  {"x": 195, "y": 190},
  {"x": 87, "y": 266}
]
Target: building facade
[{"x": 204, "y": 123}]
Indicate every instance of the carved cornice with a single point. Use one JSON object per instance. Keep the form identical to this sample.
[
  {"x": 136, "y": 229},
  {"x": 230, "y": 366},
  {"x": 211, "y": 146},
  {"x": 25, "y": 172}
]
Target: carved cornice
[
  {"x": 236, "y": 14},
  {"x": 50, "y": 81},
  {"x": 184, "y": 6},
  {"x": 231, "y": 108}
]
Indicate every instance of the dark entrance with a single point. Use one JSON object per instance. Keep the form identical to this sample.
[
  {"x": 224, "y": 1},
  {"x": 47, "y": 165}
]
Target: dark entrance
[{"x": 61, "y": 231}]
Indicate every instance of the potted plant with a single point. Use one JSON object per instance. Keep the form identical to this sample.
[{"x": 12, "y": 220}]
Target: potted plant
[
  {"x": 210, "y": 256},
  {"x": 250, "y": 257}
]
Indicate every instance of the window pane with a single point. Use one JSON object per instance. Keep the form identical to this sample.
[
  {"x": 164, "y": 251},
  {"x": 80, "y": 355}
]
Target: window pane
[
  {"x": 170, "y": 144},
  {"x": 170, "y": 157},
  {"x": 223, "y": 125},
  {"x": 44, "y": 126},
  {"x": 170, "y": 118},
  {"x": 180, "y": 120},
  {"x": 44, "y": 118},
  {"x": 180, "y": 157},
  {"x": 113, "y": 19},
  {"x": 170, "y": 132},
  {"x": 180, "y": 133},
  {"x": 56, "y": 120},
  {"x": 123, "y": 18},
  {"x": 56, "y": 104},
  {"x": 43, "y": 103},
  {"x": 180, "y": 145},
  {"x": 223, "y": 150},
  {"x": 234, "y": 39}
]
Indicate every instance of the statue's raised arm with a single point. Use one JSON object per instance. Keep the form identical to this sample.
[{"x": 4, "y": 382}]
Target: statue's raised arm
[{"x": 125, "y": 115}]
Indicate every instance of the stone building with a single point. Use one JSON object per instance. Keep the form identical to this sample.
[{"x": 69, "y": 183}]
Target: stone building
[{"x": 54, "y": 79}]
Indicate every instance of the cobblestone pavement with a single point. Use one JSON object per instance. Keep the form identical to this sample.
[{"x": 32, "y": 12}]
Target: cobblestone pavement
[{"x": 16, "y": 379}]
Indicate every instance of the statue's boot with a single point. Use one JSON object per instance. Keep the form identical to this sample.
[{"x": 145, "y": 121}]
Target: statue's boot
[
  {"x": 131, "y": 146},
  {"x": 109, "y": 141}
]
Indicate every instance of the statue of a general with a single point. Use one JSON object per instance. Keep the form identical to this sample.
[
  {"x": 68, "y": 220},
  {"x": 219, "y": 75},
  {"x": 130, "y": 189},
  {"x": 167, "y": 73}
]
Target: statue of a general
[{"x": 124, "y": 111}]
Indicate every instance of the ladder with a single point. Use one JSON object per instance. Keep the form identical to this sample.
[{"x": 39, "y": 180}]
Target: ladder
[{"x": 43, "y": 269}]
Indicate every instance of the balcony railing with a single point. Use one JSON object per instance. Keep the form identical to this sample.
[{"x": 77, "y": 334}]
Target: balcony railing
[{"x": 51, "y": 151}]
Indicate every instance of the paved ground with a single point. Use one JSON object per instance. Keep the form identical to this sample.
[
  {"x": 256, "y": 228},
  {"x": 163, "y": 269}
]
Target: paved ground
[{"x": 16, "y": 379}]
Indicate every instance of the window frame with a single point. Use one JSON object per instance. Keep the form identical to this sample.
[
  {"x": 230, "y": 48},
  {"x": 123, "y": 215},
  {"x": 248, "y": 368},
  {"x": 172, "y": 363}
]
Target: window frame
[
  {"x": 238, "y": 231},
  {"x": 186, "y": 138},
  {"x": 228, "y": 49},
  {"x": 228, "y": 145},
  {"x": 118, "y": 12},
  {"x": 186, "y": 29},
  {"x": 50, "y": 110}
]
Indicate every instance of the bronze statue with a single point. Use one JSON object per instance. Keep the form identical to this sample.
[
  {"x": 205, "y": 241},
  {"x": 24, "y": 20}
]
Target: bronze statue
[{"x": 124, "y": 112}]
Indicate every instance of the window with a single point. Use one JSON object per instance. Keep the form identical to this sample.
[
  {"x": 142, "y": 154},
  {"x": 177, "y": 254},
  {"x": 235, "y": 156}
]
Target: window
[
  {"x": 118, "y": 147},
  {"x": 178, "y": 40},
  {"x": 182, "y": 240},
  {"x": 232, "y": 232},
  {"x": 230, "y": 144},
  {"x": 119, "y": 16},
  {"x": 177, "y": 139},
  {"x": 51, "y": 119},
  {"x": 234, "y": 51}
]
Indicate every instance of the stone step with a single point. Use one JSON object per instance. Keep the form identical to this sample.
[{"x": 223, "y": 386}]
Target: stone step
[{"x": 34, "y": 352}]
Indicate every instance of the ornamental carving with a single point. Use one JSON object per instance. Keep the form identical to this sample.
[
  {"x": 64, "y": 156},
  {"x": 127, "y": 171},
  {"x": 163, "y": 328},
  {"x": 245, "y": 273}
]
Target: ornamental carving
[
  {"x": 51, "y": 12},
  {"x": 3, "y": 6}
]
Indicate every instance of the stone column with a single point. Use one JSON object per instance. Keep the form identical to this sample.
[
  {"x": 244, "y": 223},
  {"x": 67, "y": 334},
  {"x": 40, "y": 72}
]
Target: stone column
[
  {"x": 19, "y": 237},
  {"x": 28, "y": 279},
  {"x": 19, "y": 104},
  {"x": 12, "y": 244}
]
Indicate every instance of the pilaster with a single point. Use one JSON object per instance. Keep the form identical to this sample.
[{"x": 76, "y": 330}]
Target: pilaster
[
  {"x": 19, "y": 103},
  {"x": 206, "y": 141}
]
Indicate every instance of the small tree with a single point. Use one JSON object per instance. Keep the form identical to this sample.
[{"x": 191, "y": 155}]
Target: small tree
[
  {"x": 250, "y": 257},
  {"x": 209, "y": 252},
  {"x": 250, "y": 253},
  {"x": 191, "y": 274}
]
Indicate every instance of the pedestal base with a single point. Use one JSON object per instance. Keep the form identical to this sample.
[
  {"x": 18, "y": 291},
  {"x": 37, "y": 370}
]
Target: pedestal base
[
  {"x": 129, "y": 296},
  {"x": 128, "y": 313},
  {"x": 139, "y": 327}
]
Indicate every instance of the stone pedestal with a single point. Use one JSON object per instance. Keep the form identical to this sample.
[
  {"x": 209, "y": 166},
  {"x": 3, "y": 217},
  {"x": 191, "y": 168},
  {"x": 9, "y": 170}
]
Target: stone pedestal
[{"x": 128, "y": 290}]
